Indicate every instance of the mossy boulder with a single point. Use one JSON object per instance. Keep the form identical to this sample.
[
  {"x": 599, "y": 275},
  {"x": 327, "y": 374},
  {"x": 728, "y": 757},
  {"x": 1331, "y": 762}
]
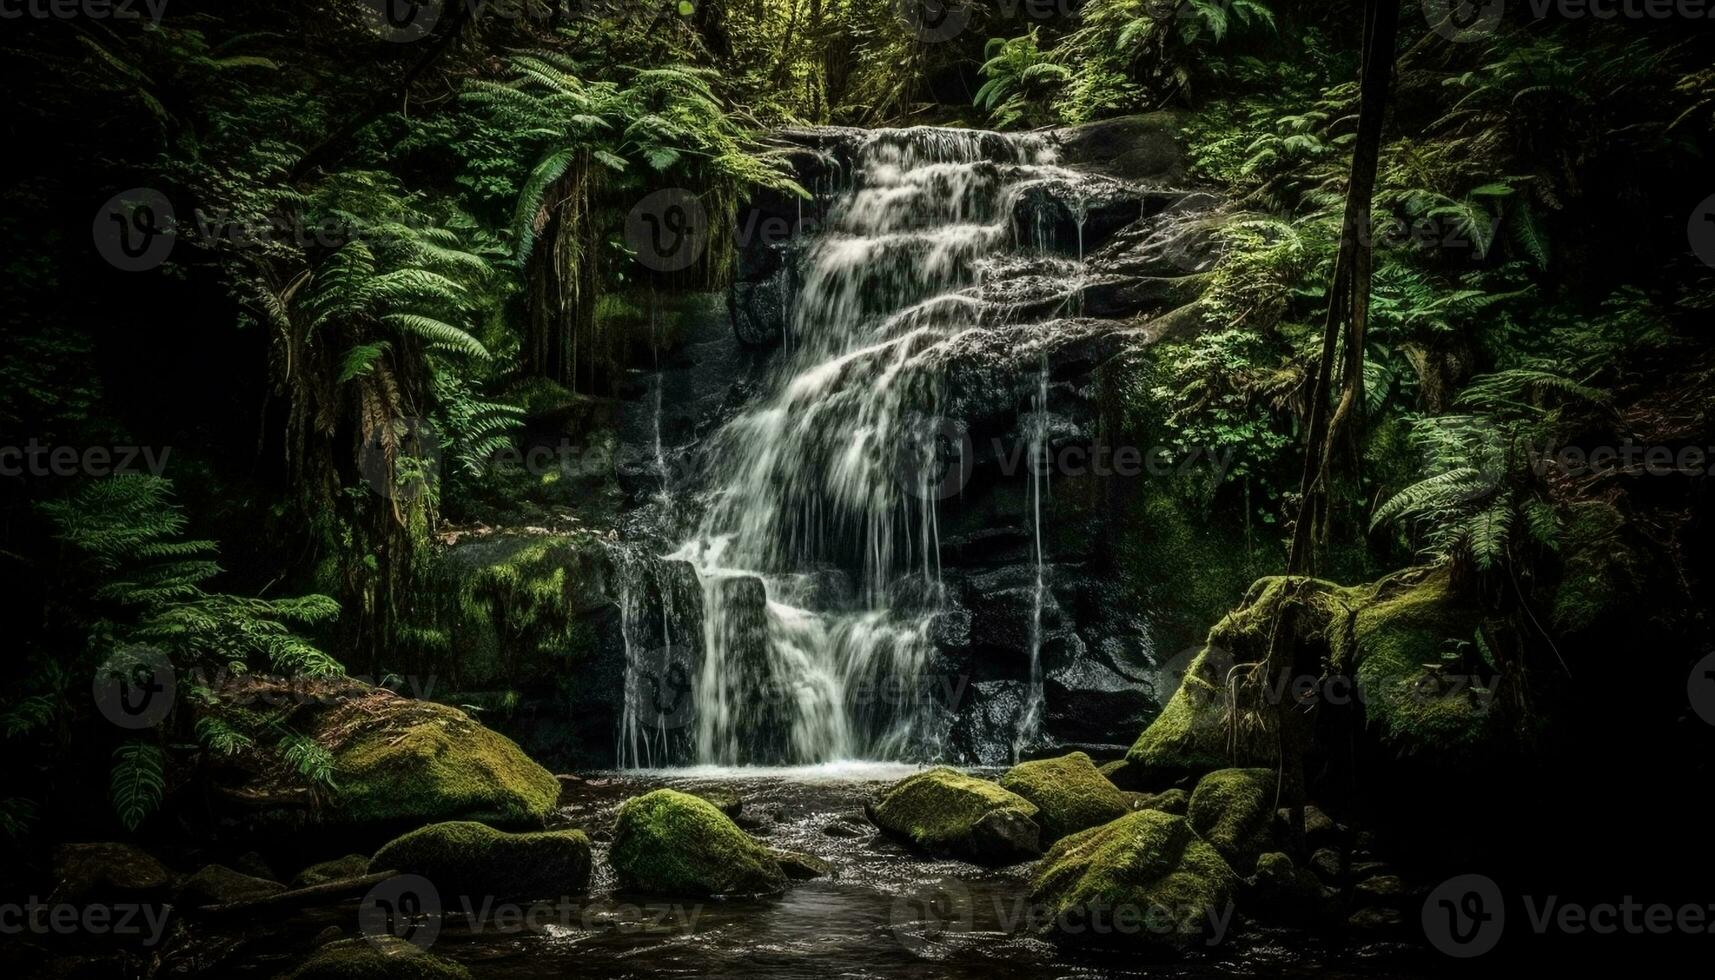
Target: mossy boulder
[
  {"x": 1233, "y": 809},
  {"x": 108, "y": 871},
  {"x": 382, "y": 958},
  {"x": 467, "y": 858},
  {"x": 1070, "y": 794},
  {"x": 218, "y": 884},
  {"x": 322, "y": 872},
  {"x": 1143, "y": 880},
  {"x": 397, "y": 759},
  {"x": 943, "y": 811},
  {"x": 1422, "y": 697},
  {"x": 1282, "y": 892},
  {"x": 672, "y": 843},
  {"x": 1175, "y": 801},
  {"x": 800, "y": 866},
  {"x": 1192, "y": 734}
]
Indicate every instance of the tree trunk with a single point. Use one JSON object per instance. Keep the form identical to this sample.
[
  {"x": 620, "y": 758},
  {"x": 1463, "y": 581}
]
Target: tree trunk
[{"x": 1348, "y": 308}]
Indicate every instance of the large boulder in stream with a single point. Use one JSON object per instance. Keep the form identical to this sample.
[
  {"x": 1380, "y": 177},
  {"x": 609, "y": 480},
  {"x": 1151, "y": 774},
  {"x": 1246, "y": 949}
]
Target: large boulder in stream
[
  {"x": 397, "y": 759},
  {"x": 376, "y": 958},
  {"x": 1233, "y": 809},
  {"x": 1144, "y": 880},
  {"x": 943, "y": 811},
  {"x": 672, "y": 843},
  {"x": 1070, "y": 794},
  {"x": 467, "y": 858}
]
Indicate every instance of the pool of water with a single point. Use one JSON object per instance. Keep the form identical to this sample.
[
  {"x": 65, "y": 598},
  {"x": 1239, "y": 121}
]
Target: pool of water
[{"x": 884, "y": 912}]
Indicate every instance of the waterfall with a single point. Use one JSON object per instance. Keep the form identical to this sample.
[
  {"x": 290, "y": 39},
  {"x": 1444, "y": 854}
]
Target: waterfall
[{"x": 818, "y": 551}]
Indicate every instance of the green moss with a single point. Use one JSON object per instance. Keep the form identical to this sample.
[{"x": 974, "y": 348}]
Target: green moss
[
  {"x": 468, "y": 858},
  {"x": 217, "y": 884},
  {"x": 322, "y": 872},
  {"x": 382, "y": 958},
  {"x": 1601, "y": 575},
  {"x": 1415, "y": 705},
  {"x": 943, "y": 811},
  {"x": 673, "y": 843},
  {"x": 1194, "y": 732},
  {"x": 1148, "y": 867},
  {"x": 1070, "y": 794},
  {"x": 414, "y": 760},
  {"x": 1233, "y": 809}
]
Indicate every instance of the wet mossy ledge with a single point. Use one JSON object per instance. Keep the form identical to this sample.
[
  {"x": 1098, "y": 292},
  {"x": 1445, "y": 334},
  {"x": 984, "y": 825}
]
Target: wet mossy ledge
[
  {"x": 672, "y": 843},
  {"x": 468, "y": 858},
  {"x": 1070, "y": 794},
  {"x": 942, "y": 811}
]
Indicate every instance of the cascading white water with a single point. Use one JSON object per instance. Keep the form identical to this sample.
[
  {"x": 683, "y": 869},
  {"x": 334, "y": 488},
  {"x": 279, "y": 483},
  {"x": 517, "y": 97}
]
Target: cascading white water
[{"x": 818, "y": 551}]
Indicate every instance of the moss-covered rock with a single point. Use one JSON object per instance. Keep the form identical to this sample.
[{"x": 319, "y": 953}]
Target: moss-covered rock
[
  {"x": 108, "y": 871},
  {"x": 218, "y": 884},
  {"x": 672, "y": 843},
  {"x": 943, "y": 811},
  {"x": 322, "y": 872},
  {"x": 1070, "y": 794},
  {"x": 1147, "y": 875},
  {"x": 383, "y": 958},
  {"x": 467, "y": 858},
  {"x": 1175, "y": 801},
  {"x": 1282, "y": 892},
  {"x": 800, "y": 866},
  {"x": 1415, "y": 702},
  {"x": 1192, "y": 734},
  {"x": 1233, "y": 809},
  {"x": 398, "y": 759}
]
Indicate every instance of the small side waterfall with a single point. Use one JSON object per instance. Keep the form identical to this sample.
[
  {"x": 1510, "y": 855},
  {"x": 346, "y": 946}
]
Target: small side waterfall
[
  {"x": 1040, "y": 470},
  {"x": 818, "y": 551}
]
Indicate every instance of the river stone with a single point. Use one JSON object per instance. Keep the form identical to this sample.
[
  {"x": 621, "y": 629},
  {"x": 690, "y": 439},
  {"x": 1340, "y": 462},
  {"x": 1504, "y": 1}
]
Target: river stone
[
  {"x": 1233, "y": 809},
  {"x": 218, "y": 884},
  {"x": 1069, "y": 792},
  {"x": 943, "y": 811},
  {"x": 105, "y": 872},
  {"x": 800, "y": 866},
  {"x": 379, "y": 957},
  {"x": 399, "y": 759},
  {"x": 1175, "y": 801},
  {"x": 1148, "y": 869},
  {"x": 467, "y": 858},
  {"x": 672, "y": 843},
  {"x": 322, "y": 872}
]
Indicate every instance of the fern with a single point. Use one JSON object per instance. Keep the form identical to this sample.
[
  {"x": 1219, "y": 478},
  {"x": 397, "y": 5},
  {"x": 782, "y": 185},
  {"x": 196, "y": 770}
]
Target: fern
[{"x": 138, "y": 782}]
